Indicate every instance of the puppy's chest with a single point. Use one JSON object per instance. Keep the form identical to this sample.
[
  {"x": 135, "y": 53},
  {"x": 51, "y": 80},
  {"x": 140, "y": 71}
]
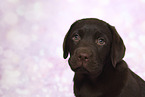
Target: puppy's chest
[{"x": 90, "y": 91}]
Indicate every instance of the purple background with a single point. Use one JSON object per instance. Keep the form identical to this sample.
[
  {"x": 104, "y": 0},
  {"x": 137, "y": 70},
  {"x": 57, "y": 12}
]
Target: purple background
[{"x": 31, "y": 37}]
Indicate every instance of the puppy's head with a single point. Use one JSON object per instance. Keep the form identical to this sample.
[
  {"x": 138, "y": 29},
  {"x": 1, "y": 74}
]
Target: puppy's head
[{"x": 92, "y": 43}]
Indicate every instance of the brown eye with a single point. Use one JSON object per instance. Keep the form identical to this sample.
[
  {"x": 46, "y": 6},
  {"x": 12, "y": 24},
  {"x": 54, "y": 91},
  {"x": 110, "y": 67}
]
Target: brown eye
[
  {"x": 76, "y": 38},
  {"x": 100, "y": 41}
]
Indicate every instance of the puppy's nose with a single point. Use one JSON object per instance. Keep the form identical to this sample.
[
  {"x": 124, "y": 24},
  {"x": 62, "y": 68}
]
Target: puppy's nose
[{"x": 83, "y": 57}]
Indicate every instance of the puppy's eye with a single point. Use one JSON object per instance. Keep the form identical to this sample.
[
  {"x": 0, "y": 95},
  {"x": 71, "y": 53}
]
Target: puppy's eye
[
  {"x": 100, "y": 41},
  {"x": 76, "y": 38}
]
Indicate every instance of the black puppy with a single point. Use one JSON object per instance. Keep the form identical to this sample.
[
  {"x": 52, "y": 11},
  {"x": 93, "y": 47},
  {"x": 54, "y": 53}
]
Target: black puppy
[{"x": 96, "y": 52}]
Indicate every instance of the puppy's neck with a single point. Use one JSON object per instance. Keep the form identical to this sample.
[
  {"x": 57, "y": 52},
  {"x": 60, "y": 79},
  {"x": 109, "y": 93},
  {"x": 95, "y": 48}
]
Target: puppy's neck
[
  {"x": 108, "y": 73},
  {"x": 103, "y": 83},
  {"x": 93, "y": 78}
]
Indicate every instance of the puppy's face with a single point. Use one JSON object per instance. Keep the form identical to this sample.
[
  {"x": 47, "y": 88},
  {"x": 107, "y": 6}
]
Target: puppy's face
[
  {"x": 89, "y": 43},
  {"x": 89, "y": 48}
]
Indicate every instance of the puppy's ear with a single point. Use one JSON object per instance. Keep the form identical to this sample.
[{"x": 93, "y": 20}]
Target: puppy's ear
[
  {"x": 65, "y": 46},
  {"x": 66, "y": 41},
  {"x": 117, "y": 48}
]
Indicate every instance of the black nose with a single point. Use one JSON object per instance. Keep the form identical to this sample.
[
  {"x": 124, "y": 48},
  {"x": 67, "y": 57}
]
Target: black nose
[{"x": 83, "y": 57}]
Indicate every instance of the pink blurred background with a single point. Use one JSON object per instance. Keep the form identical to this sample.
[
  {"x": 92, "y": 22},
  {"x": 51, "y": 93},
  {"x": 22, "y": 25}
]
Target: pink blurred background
[{"x": 31, "y": 37}]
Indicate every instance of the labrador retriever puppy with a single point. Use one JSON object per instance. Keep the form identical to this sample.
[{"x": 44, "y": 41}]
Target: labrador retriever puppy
[{"x": 96, "y": 56}]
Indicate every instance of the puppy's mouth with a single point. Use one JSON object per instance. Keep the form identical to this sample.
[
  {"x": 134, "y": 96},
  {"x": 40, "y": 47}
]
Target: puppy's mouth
[
  {"x": 81, "y": 70},
  {"x": 89, "y": 68}
]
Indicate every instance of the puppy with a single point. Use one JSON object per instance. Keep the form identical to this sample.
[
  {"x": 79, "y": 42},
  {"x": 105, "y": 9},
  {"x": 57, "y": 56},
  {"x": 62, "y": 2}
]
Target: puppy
[{"x": 96, "y": 56}]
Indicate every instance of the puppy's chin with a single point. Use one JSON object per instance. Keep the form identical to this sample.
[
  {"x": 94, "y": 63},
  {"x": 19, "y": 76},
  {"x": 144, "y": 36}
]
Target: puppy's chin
[
  {"x": 85, "y": 72},
  {"x": 81, "y": 70}
]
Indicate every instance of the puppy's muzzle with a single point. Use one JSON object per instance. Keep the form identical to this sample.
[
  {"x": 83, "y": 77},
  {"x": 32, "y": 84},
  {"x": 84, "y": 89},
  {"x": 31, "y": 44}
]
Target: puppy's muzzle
[{"x": 83, "y": 55}]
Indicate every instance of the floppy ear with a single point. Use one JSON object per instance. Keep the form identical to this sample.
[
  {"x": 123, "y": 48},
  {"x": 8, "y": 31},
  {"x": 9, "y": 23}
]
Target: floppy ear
[
  {"x": 65, "y": 46},
  {"x": 66, "y": 41},
  {"x": 118, "y": 47}
]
